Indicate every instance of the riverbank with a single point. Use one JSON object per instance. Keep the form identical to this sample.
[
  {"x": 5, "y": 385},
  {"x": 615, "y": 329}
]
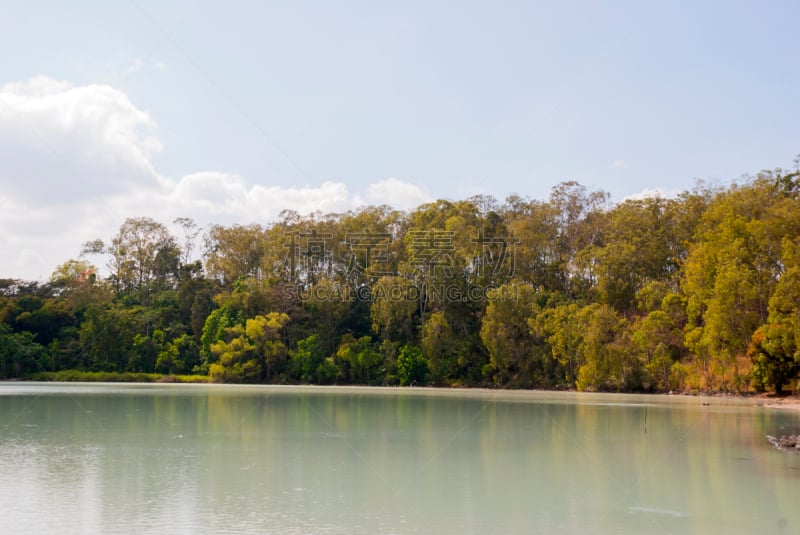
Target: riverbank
[
  {"x": 761, "y": 399},
  {"x": 77, "y": 376},
  {"x": 790, "y": 402}
]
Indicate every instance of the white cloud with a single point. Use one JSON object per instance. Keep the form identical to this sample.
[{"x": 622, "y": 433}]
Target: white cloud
[
  {"x": 396, "y": 193},
  {"x": 59, "y": 143},
  {"x": 228, "y": 198},
  {"x": 619, "y": 164},
  {"x": 76, "y": 161},
  {"x": 651, "y": 193}
]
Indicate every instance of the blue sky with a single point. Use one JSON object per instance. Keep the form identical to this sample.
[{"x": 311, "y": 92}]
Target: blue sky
[{"x": 229, "y": 113}]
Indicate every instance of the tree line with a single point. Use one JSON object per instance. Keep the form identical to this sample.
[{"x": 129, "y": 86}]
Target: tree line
[{"x": 697, "y": 292}]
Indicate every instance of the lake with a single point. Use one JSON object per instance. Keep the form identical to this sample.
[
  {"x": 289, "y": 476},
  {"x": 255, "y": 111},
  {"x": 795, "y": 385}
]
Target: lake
[{"x": 187, "y": 459}]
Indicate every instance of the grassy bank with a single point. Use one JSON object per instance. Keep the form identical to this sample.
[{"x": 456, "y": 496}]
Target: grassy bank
[{"x": 117, "y": 377}]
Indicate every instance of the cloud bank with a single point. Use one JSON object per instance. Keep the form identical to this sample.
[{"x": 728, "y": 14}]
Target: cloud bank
[{"x": 76, "y": 161}]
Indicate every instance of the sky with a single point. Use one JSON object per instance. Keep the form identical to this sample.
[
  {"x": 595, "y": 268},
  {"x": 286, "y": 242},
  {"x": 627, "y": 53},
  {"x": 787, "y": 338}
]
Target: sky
[{"x": 231, "y": 112}]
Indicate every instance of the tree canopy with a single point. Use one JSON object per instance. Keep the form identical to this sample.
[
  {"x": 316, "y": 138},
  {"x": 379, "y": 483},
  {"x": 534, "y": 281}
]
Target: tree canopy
[{"x": 700, "y": 291}]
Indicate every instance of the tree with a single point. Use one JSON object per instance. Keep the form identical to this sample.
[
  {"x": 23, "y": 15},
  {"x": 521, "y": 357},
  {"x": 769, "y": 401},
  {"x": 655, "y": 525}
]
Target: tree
[
  {"x": 329, "y": 304},
  {"x": 412, "y": 366},
  {"x": 629, "y": 259},
  {"x": 73, "y": 273},
  {"x": 394, "y": 302},
  {"x": 144, "y": 352},
  {"x": 144, "y": 258},
  {"x": 537, "y": 258},
  {"x": 659, "y": 342},
  {"x": 605, "y": 355},
  {"x": 195, "y": 298},
  {"x": 216, "y": 326},
  {"x": 700, "y": 292},
  {"x": 20, "y": 355},
  {"x": 775, "y": 357},
  {"x": 561, "y": 328},
  {"x": 731, "y": 270},
  {"x": 76, "y": 283},
  {"x": 774, "y": 346},
  {"x": 107, "y": 335},
  {"x": 234, "y": 252},
  {"x": 514, "y": 349},
  {"x": 361, "y": 358},
  {"x": 190, "y": 234},
  {"x": 577, "y": 217},
  {"x": 180, "y": 355},
  {"x": 310, "y": 363},
  {"x": 254, "y": 353},
  {"x": 437, "y": 344}
]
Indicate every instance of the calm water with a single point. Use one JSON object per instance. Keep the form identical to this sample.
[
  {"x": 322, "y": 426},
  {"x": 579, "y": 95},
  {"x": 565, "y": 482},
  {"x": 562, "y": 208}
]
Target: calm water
[{"x": 129, "y": 459}]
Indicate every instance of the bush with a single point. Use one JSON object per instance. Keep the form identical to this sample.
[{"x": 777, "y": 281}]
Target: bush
[{"x": 412, "y": 366}]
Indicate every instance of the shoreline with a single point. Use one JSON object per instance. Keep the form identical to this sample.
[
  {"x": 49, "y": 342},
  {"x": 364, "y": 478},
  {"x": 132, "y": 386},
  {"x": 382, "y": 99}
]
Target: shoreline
[
  {"x": 772, "y": 401},
  {"x": 792, "y": 403},
  {"x": 785, "y": 401}
]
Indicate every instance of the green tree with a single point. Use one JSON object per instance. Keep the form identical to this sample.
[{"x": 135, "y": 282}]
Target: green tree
[
  {"x": 607, "y": 363},
  {"x": 438, "y": 345},
  {"x": 20, "y": 355},
  {"x": 412, "y": 366},
  {"x": 144, "y": 352},
  {"x": 216, "y": 325},
  {"x": 394, "y": 303},
  {"x": 732, "y": 269},
  {"x": 659, "y": 342},
  {"x": 363, "y": 361},
  {"x": 254, "y": 353},
  {"x": 234, "y": 252},
  {"x": 107, "y": 335},
  {"x": 179, "y": 355},
  {"x": 775, "y": 357},
  {"x": 310, "y": 363},
  {"x": 514, "y": 349},
  {"x": 329, "y": 304},
  {"x": 563, "y": 330},
  {"x": 144, "y": 258},
  {"x": 628, "y": 259}
]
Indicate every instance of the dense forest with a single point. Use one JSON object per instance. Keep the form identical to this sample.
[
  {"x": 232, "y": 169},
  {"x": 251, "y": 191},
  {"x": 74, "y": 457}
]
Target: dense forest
[{"x": 700, "y": 292}]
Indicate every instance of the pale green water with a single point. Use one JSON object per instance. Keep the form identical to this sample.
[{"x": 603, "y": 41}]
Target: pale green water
[{"x": 131, "y": 459}]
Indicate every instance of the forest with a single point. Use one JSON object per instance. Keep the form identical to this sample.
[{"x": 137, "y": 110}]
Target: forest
[{"x": 699, "y": 292}]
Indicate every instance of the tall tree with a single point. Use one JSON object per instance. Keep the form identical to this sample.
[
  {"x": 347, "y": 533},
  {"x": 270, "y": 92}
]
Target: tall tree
[{"x": 144, "y": 258}]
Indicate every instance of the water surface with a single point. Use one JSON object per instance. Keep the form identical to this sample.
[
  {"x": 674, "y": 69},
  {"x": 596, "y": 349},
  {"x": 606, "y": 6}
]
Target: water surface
[{"x": 121, "y": 459}]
